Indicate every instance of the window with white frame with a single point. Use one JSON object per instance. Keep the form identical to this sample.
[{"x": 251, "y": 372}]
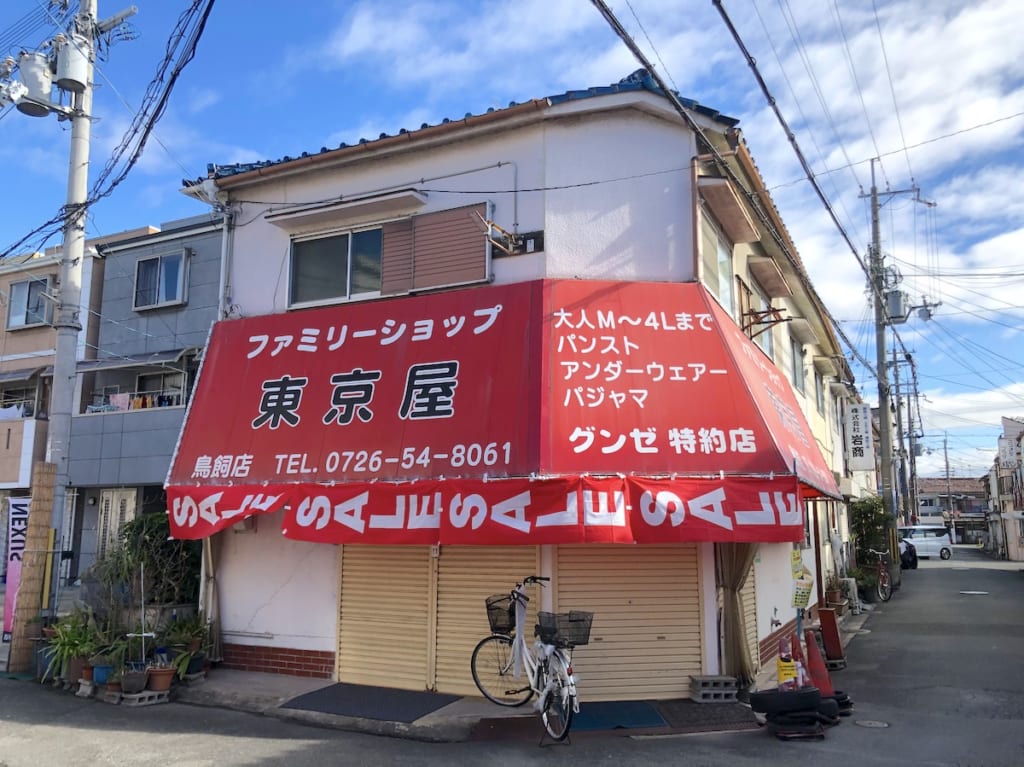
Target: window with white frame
[
  {"x": 716, "y": 255},
  {"x": 339, "y": 266},
  {"x": 160, "y": 280},
  {"x": 819, "y": 391},
  {"x": 797, "y": 354},
  {"x": 27, "y": 303}
]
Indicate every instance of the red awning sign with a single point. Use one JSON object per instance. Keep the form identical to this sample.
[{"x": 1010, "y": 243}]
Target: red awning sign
[
  {"x": 560, "y": 380},
  {"x": 511, "y": 511}
]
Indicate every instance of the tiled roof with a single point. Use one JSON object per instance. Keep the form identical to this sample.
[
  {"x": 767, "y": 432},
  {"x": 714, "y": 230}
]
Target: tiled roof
[
  {"x": 640, "y": 80},
  {"x": 957, "y": 485}
]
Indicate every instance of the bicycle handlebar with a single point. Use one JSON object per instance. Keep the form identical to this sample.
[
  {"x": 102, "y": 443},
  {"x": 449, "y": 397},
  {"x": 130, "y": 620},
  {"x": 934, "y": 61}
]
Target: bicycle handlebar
[{"x": 535, "y": 579}]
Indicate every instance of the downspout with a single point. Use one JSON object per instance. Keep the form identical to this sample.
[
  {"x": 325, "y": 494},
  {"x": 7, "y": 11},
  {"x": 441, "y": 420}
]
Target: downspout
[{"x": 226, "y": 248}]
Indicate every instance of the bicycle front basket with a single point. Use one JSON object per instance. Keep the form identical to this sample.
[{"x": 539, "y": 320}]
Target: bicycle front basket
[
  {"x": 564, "y": 629},
  {"x": 499, "y": 613}
]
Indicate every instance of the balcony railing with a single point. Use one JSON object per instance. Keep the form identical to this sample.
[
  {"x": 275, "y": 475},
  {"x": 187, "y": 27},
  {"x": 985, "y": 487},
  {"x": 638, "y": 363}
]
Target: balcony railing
[
  {"x": 21, "y": 408},
  {"x": 142, "y": 400}
]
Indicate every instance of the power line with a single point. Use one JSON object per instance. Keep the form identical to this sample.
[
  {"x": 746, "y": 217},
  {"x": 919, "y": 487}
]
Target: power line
[{"x": 189, "y": 29}]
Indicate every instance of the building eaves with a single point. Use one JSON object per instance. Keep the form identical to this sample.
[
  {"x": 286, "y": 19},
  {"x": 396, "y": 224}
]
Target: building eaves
[{"x": 637, "y": 81}]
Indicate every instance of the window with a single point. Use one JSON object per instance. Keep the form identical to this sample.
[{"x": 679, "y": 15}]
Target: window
[
  {"x": 340, "y": 266},
  {"x": 819, "y": 392},
  {"x": 716, "y": 254},
  {"x": 160, "y": 281},
  {"x": 27, "y": 306},
  {"x": 116, "y": 508},
  {"x": 797, "y": 350}
]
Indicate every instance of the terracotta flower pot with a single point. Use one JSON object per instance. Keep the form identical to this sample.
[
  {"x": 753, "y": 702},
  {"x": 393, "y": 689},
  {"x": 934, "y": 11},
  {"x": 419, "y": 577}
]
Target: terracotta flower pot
[{"x": 160, "y": 678}]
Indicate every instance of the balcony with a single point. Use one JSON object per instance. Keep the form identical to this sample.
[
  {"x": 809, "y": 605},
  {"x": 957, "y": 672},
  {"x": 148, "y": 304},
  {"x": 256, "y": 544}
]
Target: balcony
[{"x": 120, "y": 402}]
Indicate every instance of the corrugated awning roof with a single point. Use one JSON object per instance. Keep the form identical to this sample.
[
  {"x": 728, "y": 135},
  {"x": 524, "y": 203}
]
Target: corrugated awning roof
[
  {"x": 24, "y": 374},
  {"x": 132, "y": 361}
]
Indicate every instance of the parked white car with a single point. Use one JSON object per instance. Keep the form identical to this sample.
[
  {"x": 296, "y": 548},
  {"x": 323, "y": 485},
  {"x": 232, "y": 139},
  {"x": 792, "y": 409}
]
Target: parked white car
[{"x": 929, "y": 540}]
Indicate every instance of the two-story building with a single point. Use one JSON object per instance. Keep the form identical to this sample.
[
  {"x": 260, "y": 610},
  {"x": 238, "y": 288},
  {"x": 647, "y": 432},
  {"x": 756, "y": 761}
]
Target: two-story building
[{"x": 568, "y": 337}]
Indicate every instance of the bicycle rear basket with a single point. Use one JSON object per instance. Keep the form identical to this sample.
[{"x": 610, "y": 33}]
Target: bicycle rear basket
[
  {"x": 564, "y": 629},
  {"x": 499, "y": 613}
]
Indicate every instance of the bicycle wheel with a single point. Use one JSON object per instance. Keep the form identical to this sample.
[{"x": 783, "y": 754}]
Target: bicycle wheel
[
  {"x": 884, "y": 585},
  {"x": 560, "y": 703},
  {"x": 492, "y": 665}
]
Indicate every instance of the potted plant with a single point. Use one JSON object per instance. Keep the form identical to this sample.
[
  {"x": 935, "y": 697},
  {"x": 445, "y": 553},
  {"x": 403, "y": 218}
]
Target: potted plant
[
  {"x": 73, "y": 641},
  {"x": 186, "y": 639},
  {"x": 160, "y": 676},
  {"x": 867, "y": 584},
  {"x": 833, "y": 589}
]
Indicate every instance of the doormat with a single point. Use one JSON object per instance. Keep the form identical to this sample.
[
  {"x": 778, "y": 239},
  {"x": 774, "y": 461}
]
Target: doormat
[
  {"x": 383, "y": 703},
  {"x": 615, "y": 715}
]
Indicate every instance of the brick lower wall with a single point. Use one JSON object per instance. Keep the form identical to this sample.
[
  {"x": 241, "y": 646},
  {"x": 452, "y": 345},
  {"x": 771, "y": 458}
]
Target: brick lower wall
[
  {"x": 768, "y": 648},
  {"x": 278, "y": 660}
]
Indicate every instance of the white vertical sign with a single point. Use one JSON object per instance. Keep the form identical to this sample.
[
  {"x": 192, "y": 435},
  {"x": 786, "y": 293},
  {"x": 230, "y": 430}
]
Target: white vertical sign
[
  {"x": 17, "y": 533},
  {"x": 1007, "y": 453},
  {"x": 860, "y": 445}
]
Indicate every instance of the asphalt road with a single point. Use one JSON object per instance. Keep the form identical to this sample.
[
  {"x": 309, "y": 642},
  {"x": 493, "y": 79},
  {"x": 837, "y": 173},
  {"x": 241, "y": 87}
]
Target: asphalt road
[{"x": 937, "y": 677}]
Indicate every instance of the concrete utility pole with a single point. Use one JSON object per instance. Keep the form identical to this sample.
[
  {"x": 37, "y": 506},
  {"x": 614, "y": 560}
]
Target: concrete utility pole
[
  {"x": 74, "y": 63},
  {"x": 66, "y": 315},
  {"x": 884, "y": 405}
]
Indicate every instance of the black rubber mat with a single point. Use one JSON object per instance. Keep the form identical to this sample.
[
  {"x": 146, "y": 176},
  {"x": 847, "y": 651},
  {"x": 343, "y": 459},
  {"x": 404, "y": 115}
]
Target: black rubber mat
[{"x": 381, "y": 703}]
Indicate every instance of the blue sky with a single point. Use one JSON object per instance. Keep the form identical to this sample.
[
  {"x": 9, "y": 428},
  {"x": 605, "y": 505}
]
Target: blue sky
[{"x": 934, "y": 88}]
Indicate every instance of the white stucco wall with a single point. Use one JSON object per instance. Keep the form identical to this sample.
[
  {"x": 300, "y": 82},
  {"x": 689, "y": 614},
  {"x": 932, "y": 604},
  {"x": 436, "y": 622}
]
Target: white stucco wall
[
  {"x": 775, "y": 585},
  {"x": 634, "y": 223},
  {"x": 277, "y": 592}
]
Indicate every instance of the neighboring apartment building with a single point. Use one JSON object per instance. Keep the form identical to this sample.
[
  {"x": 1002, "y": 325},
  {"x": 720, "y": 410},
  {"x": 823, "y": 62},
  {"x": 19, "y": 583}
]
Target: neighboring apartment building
[
  {"x": 29, "y": 286},
  {"x": 514, "y": 343},
  {"x": 151, "y": 320}
]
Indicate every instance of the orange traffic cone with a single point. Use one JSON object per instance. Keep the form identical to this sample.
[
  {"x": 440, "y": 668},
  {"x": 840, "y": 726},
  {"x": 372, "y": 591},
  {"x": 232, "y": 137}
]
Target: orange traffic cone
[
  {"x": 798, "y": 649},
  {"x": 816, "y": 667}
]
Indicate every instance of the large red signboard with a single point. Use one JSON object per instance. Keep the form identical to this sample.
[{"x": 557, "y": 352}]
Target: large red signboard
[
  {"x": 431, "y": 386},
  {"x": 508, "y": 399}
]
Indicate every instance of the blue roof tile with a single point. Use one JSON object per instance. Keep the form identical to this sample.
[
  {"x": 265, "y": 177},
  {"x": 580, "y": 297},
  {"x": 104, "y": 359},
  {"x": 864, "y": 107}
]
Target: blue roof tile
[{"x": 637, "y": 81}]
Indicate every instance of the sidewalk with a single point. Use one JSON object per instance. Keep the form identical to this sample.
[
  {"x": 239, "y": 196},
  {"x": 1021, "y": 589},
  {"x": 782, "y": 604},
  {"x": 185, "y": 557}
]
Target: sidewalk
[{"x": 464, "y": 719}]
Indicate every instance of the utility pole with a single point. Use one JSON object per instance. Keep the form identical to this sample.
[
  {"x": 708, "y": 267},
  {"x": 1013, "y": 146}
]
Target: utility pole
[
  {"x": 912, "y": 432},
  {"x": 881, "y": 321},
  {"x": 66, "y": 314},
  {"x": 74, "y": 65},
  {"x": 949, "y": 489},
  {"x": 901, "y": 449}
]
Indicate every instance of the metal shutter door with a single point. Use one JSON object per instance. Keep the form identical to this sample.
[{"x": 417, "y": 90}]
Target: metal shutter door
[
  {"x": 646, "y": 637},
  {"x": 748, "y": 597},
  {"x": 385, "y": 608},
  {"x": 466, "y": 576}
]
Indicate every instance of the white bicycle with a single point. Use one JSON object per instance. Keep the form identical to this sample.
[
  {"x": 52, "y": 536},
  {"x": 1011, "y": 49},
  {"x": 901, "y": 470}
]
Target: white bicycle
[{"x": 509, "y": 673}]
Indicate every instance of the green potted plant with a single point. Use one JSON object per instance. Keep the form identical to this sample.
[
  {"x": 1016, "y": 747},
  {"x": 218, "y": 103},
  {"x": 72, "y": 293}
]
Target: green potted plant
[
  {"x": 73, "y": 642},
  {"x": 186, "y": 640},
  {"x": 867, "y": 583}
]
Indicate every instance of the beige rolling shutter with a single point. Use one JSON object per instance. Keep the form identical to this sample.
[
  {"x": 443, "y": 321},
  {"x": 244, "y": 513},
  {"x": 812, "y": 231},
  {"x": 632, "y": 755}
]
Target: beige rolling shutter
[
  {"x": 646, "y": 637},
  {"x": 385, "y": 608},
  {"x": 450, "y": 248},
  {"x": 466, "y": 576},
  {"x": 748, "y": 599}
]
